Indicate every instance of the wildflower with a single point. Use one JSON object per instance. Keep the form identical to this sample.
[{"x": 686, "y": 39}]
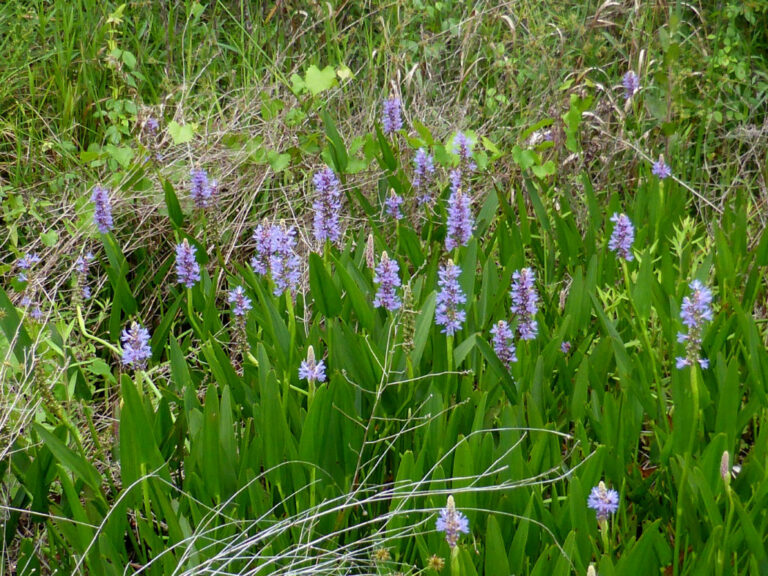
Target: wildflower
[
  {"x": 152, "y": 125},
  {"x": 25, "y": 263},
  {"x": 391, "y": 121},
  {"x": 631, "y": 84},
  {"x": 603, "y": 501},
  {"x": 503, "y": 343},
  {"x": 449, "y": 298},
  {"x": 524, "y": 302},
  {"x": 565, "y": 347},
  {"x": 240, "y": 302},
  {"x": 263, "y": 237},
  {"x": 82, "y": 264},
  {"x": 462, "y": 146},
  {"x": 136, "y": 350},
  {"x": 622, "y": 237},
  {"x": 392, "y": 205},
  {"x": 187, "y": 268},
  {"x": 201, "y": 189},
  {"x": 102, "y": 210},
  {"x": 327, "y": 207},
  {"x": 455, "y": 178},
  {"x": 436, "y": 563},
  {"x": 591, "y": 570},
  {"x": 661, "y": 169},
  {"x": 460, "y": 220},
  {"x": 381, "y": 555},
  {"x": 36, "y": 313},
  {"x": 423, "y": 172},
  {"x": 284, "y": 263},
  {"x": 311, "y": 371},
  {"x": 387, "y": 278},
  {"x": 452, "y": 522},
  {"x": 696, "y": 309}
]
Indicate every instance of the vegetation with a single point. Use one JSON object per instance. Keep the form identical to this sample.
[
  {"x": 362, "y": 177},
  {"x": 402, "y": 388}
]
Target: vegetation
[{"x": 383, "y": 288}]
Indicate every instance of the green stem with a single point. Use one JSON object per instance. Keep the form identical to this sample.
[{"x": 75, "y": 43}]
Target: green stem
[
  {"x": 90, "y": 336},
  {"x": 662, "y": 420},
  {"x": 679, "y": 519},
  {"x": 695, "y": 401}
]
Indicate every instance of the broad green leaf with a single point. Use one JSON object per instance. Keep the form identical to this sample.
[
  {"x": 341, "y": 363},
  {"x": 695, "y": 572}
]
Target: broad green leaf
[
  {"x": 318, "y": 81},
  {"x": 181, "y": 134},
  {"x": 323, "y": 289}
]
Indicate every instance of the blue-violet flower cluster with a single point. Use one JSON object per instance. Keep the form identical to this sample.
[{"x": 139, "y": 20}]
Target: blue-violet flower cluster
[
  {"x": 696, "y": 309},
  {"x": 310, "y": 370},
  {"x": 603, "y": 501},
  {"x": 524, "y": 302},
  {"x": 661, "y": 169},
  {"x": 276, "y": 254},
  {"x": 386, "y": 276},
  {"x": 460, "y": 220},
  {"x": 102, "y": 209},
  {"x": 452, "y": 522},
  {"x": 25, "y": 263},
  {"x": 239, "y": 301},
  {"x": 449, "y": 298},
  {"x": 201, "y": 189},
  {"x": 392, "y": 205},
  {"x": 391, "y": 121},
  {"x": 622, "y": 237},
  {"x": 423, "y": 172},
  {"x": 187, "y": 268},
  {"x": 503, "y": 343},
  {"x": 136, "y": 350},
  {"x": 327, "y": 207},
  {"x": 631, "y": 84}
]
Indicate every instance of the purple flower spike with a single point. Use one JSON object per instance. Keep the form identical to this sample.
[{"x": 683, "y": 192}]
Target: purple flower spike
[
  {"x": 136, "y": 350},
  {"x": 152, "y": 125},
  {"x": 622, "y": 237},
  {"x": 565, "y": 347},
  {"x": 263, "y": 238},
  {"x": 187, "y": 268},
  {"x": 392, "y": 205},
  {"x": 661, "y": 169},
  {"x": 603, "y": 501},
  {"x": 460, "y": 220},
  {"x": 284, "y": 264},
  {"x": 631, "y": 84},
  {"x": 83, "y": 263},
  {"x": 25, "y": 263},
  {"x": 452, "y": 522},
  {"x": 102, "y": 210},
  {"x": 391, "y": 121},
  {"x": 462, "y": 145},
  {"x": 503, "y": 343},
  {"x": 386, "y": 276},
  {"x": 240, "y": 302},
  {"x": 201, "y": 189},
  {"x": 423, "y": 172},
  {"x": 696, "y": 309},
  {"x": 310, "y": 370},
  {"x": 524, "y": 302},
  {"x": 327, "y": 207},
  {"x": 450, "y": 296}
]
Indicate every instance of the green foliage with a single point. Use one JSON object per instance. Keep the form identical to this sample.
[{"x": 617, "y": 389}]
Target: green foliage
[{"x": 218, "y": 458}]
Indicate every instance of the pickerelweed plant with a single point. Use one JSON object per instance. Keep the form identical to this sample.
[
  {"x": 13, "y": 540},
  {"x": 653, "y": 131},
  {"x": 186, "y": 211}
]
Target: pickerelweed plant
[{"x": 389, "y": 386}]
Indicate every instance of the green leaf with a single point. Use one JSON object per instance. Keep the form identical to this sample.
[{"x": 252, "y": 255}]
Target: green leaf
[
  {"x": 72, "y": 461},
  {"x": 322, "y": 287},
  {"x": 495, "y": 550},
  {"x": 338, "y": 148},
  {"x": 172, "y": 202},
  {"x": 49, "y": 238},
  {"x": 277, "y": 161},
  {"x": 181, "y": 134},
  {"x": 319, "y": 80}
]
